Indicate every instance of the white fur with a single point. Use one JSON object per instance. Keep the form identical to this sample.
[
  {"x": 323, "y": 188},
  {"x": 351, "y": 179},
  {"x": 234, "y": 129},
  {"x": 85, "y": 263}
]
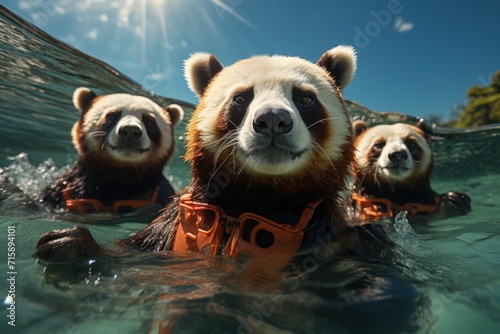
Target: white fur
[
  {"x": 196, "y": 59},
  {"x": 394, "y": 136},
  {"x": 129, "y": 118},
  {"x": 132, "y": 108},
  {"x": 272, "y": 79},
  {"x": 345, "y": 57}
]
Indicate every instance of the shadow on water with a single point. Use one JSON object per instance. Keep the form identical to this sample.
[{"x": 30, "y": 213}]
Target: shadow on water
[{"x": 38, "y": 75}]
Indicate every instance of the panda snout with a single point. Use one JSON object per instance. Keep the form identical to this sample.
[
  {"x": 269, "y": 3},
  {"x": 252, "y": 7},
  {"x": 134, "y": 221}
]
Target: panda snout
[
  {"x": 272, "y": 122},
  {"x": 130, "y": 132},
  {"x": 398, "y": 156}
]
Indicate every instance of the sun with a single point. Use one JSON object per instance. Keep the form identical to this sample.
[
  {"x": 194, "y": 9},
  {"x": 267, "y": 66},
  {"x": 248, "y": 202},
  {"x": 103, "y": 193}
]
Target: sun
[
  {"x": 153, "y": 19},
  {"x": 146, "y": 39},
  {"x": 139, "y": 19}
]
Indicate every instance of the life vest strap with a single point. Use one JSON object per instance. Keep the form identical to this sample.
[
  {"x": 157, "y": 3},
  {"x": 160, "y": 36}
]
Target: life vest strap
[
  {"x": 91, "y": 205},
  {"x": 375, "y": 208}
]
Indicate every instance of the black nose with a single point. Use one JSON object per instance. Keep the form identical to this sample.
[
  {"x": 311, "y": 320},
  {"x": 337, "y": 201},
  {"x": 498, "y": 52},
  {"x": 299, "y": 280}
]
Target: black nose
[
  {"x": 398, "y": 156},
  {"x": 272, "y": 122},
  {"x": 130, "y": 131}
]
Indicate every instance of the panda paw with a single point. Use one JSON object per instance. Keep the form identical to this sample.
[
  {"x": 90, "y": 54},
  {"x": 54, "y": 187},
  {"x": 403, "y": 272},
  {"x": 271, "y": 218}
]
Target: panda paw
[
  {"x": 455, "y": 203},
  {"x": 66, "y": 246}
]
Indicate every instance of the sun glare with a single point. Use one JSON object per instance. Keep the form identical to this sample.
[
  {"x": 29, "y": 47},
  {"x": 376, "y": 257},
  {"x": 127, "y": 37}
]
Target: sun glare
[
  {"x": 145, "y": 18},
  {"x": 189, "y": 11},
  {"x": 150, "y": 34}
]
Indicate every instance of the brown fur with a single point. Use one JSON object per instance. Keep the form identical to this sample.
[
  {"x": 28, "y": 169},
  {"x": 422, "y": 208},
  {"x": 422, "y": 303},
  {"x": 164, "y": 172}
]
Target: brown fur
[
  {"x": 414, "y": 189},
  {"x": 97, "y": 175},
  {"x": 219, "y": 178},
  {"x": 281, "y": 198}
]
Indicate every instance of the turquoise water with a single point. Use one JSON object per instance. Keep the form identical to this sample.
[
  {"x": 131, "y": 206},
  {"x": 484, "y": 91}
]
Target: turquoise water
[{"x": 448, "y": 269}]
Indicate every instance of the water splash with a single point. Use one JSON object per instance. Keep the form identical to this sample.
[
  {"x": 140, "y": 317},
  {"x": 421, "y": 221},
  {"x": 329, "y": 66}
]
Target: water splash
[
  {"x": 407, "y": 238},
  {"x": 29, "y": 178}
]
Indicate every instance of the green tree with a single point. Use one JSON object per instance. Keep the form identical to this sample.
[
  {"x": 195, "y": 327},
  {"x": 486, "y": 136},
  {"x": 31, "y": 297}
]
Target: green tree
[{"x": 483, "y": 105}]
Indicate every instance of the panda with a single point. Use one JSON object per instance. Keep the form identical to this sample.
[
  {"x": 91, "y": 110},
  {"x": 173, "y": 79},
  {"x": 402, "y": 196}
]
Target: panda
[
  {"x": 270, "y": 146},
  {"x": 123, "y": 143},
  {"x": 392, "y": 170}
]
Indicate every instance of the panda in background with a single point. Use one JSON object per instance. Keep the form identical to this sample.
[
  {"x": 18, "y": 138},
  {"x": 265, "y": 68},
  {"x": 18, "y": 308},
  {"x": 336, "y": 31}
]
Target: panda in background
[
  {"x": 123, "y": 144},
  {"x": 392, "y": 173}
]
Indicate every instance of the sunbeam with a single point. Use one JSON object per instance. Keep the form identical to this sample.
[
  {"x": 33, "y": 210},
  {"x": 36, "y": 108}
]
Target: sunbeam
[
  {"x": 229, "y": 10},
  {"x": 144, "y": 32}
]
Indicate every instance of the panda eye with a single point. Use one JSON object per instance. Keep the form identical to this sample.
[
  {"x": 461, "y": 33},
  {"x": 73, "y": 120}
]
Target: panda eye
[
  {"x": 112, "y": 116},
  {"x": 239, "y": 99},
  {"x": 379, "y": 145},
  {"x": 306, "y": 100},
  {"x": 149, "y": 119},
  {"x": 110, "y": 120},
  {"x": 411, "y": 144}
]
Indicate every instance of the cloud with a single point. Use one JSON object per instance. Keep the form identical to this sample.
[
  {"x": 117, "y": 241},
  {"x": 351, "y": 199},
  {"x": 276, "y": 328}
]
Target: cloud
[
  {"x": 92, "y": 34},
  {"x": 159, "y": 76},
  {"x": 401, "y": 26},
  {"x": 24, "y": 5},
  {"x": 70, "y": 39},
  {"x": 123, "y": 19}
]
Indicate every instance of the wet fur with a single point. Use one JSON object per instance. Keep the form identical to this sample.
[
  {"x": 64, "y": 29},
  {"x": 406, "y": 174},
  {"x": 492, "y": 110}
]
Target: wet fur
[
  {"x": 107, "y": 185},
  {"x": 414, "y": 189},
  {"x": 97, "y": 175},
  {"x": 219, "y": 178}
]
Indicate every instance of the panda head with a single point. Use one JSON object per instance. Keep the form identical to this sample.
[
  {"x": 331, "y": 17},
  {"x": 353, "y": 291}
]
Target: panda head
[
  {"x": 122, "y": 129},
  {"x": 397, "y": 153},
  {"x": 272, "y": 116}
]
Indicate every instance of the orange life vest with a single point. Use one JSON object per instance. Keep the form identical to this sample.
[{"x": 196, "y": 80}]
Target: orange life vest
[
  {"x": 202, "y": 228},
  {"x": 91, "y": 205},
  {"x": 374, "y": 208}
]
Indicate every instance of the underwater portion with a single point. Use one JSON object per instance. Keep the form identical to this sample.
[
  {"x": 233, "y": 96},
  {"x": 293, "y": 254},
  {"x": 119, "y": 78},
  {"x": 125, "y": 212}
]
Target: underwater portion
[{"x": 443, "y": 276}]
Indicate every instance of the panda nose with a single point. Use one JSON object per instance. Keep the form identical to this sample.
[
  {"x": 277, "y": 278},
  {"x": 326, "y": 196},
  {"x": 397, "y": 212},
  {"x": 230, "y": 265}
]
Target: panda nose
[
  {"x": 398, "y": 156},
  {"x": 272, "y": 122},
  {"x": 130, "y": 132}
]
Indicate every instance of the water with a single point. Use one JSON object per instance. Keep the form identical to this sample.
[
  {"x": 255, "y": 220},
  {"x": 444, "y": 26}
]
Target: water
[{"x": 444, "y": 277}]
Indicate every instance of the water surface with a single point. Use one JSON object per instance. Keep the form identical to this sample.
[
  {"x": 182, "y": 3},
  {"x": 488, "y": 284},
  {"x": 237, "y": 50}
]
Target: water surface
[{"x": 443, "y": 279}]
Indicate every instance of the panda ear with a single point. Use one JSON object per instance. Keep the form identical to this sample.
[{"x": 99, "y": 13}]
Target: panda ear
[
  {"x": 340, "y": 62},
  {"x": 359, "y": 127},
  {"x": 176, "y": 113},
  {"x": 427, "y": 132},
  {"x": 199, "y": 70},
  {"x": 82, "y": 98},
  {"x": 421, "y": 124}
]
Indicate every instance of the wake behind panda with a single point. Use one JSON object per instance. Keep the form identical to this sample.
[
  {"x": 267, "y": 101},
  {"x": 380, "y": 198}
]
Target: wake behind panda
[
  {"x": 270, "y": 146},
  {"x": 392, "y": 174},
  {"x": 123, "y": 143}
]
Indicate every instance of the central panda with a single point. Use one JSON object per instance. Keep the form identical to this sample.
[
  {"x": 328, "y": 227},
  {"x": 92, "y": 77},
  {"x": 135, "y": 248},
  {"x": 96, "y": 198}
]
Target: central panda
[{"x": 270, "y": 145}]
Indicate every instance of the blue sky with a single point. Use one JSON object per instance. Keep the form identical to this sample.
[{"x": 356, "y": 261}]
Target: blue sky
[{"x": 414, "y": 56}]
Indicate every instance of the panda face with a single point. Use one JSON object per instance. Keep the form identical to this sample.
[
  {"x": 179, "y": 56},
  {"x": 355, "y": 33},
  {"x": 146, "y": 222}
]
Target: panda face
[
  {"x": 393, "y": 153},
  {"x": 129, "y": 134},
  {"x": 275, "y": 116},
  {"x": 123, "y": 128}
]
